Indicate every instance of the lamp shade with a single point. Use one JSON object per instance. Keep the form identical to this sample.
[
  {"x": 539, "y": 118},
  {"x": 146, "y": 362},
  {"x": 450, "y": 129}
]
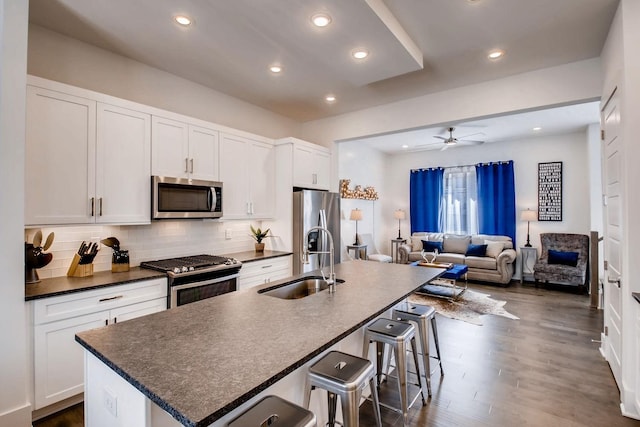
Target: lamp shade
[
  {"x": 528, "y": 215},
  {"x": 356, "y": 215},
  {"x": 399, "y": 214}
]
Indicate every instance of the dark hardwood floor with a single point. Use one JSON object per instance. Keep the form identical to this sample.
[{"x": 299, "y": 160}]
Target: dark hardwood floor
[{"x": 542, "y": 370}]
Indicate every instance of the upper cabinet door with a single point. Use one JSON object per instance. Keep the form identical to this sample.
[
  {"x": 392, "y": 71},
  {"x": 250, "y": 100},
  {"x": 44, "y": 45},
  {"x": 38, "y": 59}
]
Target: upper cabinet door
[
  {"x": 323, "y": 170},
  {"x": 170, "y": 148},
  {"x": 203, "y": 153},
  {"x": 123, "y": 183},
  {"x": 59, "y": 158},
  {"x": 262, "y": 177},
  {"x": 311, "y": 167},
  {"x": 234, "y": 170}
]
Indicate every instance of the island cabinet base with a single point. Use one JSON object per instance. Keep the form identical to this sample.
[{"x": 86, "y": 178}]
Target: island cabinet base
[{"x": 111, "y": 401}]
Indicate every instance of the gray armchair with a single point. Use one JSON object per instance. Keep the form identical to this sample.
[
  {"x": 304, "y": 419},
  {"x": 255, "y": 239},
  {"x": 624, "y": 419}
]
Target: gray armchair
[{"x": 558, "y": 262}]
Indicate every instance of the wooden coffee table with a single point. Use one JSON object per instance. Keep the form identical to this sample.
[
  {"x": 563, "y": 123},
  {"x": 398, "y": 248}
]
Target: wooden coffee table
[{"x": 446, "y": 285}]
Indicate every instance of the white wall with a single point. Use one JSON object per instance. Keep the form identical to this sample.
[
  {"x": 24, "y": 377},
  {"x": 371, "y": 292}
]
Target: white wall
[
  {"x": 393, "y": 173},
  {"x": 365, "y": 167},
  {"x": 60, "y": 58},
  {"x": 561, "y": 85},
  {"x": 15, "y": 409}
]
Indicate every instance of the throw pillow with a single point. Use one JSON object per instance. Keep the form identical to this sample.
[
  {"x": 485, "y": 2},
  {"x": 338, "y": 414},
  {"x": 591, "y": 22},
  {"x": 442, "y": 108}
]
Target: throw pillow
[
  {"x": 563, "y": 258},
  {"x": 456, "y": 244},
  {"x": 494, "y": 248},
  {"x": 431, "y": 246},
  {"x": 476, "y": 250}
]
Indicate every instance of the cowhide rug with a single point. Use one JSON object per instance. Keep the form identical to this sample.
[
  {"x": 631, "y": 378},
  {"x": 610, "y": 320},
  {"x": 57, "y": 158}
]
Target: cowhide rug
[{"x": 469, "y": 308}]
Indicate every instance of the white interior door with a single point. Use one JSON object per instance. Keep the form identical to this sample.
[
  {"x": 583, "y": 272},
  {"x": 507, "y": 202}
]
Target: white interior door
[{"x": 614, "y": 236}]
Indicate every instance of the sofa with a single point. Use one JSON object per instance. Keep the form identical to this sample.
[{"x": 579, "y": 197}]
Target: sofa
[{"x": 489, "y": 258}]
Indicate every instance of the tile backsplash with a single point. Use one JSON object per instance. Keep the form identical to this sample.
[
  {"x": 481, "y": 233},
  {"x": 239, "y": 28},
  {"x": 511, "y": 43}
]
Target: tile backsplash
[{"x": 160, "y": 239}]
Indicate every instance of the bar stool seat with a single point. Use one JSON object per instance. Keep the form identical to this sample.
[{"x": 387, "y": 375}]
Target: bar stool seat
[
  {"x": 421, "y": 315},
  {"x": 398, "y": 335},
  {"x": 345, "y": 376},
  {"x": 275, "y": 411}
]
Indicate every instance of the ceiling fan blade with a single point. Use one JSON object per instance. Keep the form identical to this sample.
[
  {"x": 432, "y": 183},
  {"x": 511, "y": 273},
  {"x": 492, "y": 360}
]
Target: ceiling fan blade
[
  {"x": 471, "y": 134},
  {"x": 440, "y": 137},
  {"x": 470, "y": 142}
]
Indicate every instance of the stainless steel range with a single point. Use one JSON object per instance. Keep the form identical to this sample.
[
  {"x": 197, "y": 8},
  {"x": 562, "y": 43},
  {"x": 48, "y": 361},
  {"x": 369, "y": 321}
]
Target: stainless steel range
[{"x": 194, "y": 278}]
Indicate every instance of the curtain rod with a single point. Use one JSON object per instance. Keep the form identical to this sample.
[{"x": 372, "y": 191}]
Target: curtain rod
[{"x": 501, "y": 162}]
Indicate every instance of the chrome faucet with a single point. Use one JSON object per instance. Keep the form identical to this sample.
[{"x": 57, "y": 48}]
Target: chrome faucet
[{"x": 331, "y": 281}]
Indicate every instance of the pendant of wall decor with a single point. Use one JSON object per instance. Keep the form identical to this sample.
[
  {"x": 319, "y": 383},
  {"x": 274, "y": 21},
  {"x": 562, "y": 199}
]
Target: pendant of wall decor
[{"x": 367, "y": 193}]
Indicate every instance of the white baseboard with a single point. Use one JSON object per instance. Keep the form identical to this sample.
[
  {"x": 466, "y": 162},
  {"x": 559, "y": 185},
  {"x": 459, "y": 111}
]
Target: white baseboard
[{"x": 17, "y": 417}]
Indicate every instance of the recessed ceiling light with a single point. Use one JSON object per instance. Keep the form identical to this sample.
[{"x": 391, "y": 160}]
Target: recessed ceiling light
[
  {"x": 537, "y": 128},
  {"x": 405, "y": 146},
  {"x": 183, "y": 20},
  {"x": 275, "y": 68},
  {"x": 321, "y": 19},
  {"x": 359, "y": 53},
  {"x": 496, "y": 54},
  {"x": 330, "y": 98}
]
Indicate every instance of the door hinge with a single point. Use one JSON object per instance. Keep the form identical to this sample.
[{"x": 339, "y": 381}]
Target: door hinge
[
  {"x": 606, "y": 331},
  {"x": 602, "y": 134},
  {"x": 606, "y": 264}
]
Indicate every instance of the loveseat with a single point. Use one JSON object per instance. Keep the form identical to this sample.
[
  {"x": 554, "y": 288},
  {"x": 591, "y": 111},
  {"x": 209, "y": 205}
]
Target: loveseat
[{"x": 489, "y": 258}]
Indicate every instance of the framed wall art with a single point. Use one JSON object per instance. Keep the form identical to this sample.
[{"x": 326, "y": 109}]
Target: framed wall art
[{"x": 550, "y": 191}]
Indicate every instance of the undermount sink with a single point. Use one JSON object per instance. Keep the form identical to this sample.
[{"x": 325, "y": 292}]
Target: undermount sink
[{"x": 299, "y": 288}]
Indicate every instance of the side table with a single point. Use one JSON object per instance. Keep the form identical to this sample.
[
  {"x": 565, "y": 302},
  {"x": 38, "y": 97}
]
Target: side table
[
  {"x": 356, "y": 249},
  {"x": 528, "y": 257},
  {"x": 395, "y": 249}
]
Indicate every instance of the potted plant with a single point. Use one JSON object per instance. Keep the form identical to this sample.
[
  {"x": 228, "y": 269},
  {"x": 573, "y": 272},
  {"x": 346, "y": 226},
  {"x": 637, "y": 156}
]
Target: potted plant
[{"x": 258, "y": 235}]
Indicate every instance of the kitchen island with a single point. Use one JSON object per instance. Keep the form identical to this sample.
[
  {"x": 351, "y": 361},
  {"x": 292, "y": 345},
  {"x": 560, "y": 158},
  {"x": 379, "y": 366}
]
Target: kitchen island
[{"x": 201, "y": 361}]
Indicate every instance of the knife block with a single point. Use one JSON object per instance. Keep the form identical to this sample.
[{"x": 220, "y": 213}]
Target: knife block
[{"x": 79, "y": 270}]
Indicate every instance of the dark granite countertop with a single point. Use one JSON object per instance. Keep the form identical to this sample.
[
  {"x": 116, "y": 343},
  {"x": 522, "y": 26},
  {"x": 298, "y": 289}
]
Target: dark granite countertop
[
  {"x": 66, "y": 285},
  {"x": 636, "y": 295},
  {"x": 249, "y": 256},
  {"x": 219, "y": 341}
]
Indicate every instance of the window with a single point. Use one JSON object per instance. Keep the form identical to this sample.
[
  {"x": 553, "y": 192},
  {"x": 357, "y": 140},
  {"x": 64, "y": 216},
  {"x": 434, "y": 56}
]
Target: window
[{"x": 460, "y": 201}]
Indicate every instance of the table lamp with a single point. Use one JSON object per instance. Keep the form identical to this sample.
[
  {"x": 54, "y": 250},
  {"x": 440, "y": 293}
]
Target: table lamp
[
  {"x": 356, "y": 215},
  {"x": 399, "y": 215},
  {"x": 528, "y": 215}
]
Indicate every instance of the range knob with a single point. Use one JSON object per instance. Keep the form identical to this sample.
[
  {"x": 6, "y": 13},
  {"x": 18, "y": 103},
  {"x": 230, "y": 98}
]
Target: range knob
[
  {"x": 192, "y": 268},
  {"x": 184, "y": 269},
  {"x": 176, "y": 269}
]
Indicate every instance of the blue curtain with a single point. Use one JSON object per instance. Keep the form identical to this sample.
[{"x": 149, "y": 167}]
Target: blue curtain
[
  {"x": 425, "y": 197},
  {"x": 496, "y": 199}
]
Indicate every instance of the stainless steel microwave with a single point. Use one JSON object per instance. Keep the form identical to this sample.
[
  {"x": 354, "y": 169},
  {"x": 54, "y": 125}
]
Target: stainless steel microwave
[{"x": 182, "y": 198}]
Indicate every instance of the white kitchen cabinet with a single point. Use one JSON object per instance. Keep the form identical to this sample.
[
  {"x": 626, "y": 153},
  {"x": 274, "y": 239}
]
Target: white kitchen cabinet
[
  {"x": 311, "y": 167},
  {"x": 183, "y": 150},
  {"x": 58, "y": 358},
  {"x": 59, "y": 158},
  {"x": 264, "y": 271},
  {"x": 247, "y": 170},
  {"x": 123, "y": 166},
  {"x": 86, "y": 161}
]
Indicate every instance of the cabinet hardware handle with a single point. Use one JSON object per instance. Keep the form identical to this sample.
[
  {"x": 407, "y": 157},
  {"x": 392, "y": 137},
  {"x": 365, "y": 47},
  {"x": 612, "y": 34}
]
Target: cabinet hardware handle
[
  {"x": 191, "y": 166},
  {"x": 186, "y": 165},
  {"x": 315, "y": 178},
  {"x": 100, "y": 206},
  {"x": 115, "y": 320},
  {"x": 267, "y": 266},
  {"x": 110, "y": 298},
  {"x": 106, "y": 322},
  {"x": 93, "y": 205},
  {"x": 616, "y": 281}
]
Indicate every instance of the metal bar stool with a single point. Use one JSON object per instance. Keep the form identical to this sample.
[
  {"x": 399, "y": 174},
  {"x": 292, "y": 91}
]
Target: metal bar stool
[
  {"x": 343, "y": 375},
  {"x": 275, "y": 411},
  {"x": 398, "y": 335},
  {"x": 421, "y": 315}
]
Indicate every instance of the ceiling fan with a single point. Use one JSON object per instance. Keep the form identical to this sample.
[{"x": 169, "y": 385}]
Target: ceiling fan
[{"x": 451, "y": 141}]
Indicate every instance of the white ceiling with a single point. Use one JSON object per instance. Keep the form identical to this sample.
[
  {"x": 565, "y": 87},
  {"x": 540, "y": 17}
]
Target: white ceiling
[
  {"x": 514, "y": 127},
  {"x": 417, "y": 46}
]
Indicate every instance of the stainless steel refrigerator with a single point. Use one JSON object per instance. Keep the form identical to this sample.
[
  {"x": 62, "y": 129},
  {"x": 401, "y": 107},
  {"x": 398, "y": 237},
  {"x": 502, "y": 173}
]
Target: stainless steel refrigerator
[{"x": 310, "y": 209}]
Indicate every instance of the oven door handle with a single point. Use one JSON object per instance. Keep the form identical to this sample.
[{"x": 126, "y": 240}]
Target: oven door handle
[{"x": 204, "y": 282}]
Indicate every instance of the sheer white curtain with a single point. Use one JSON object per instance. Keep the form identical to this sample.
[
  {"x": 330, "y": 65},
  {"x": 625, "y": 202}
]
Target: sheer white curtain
[{"x": 460, "y": 201}]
